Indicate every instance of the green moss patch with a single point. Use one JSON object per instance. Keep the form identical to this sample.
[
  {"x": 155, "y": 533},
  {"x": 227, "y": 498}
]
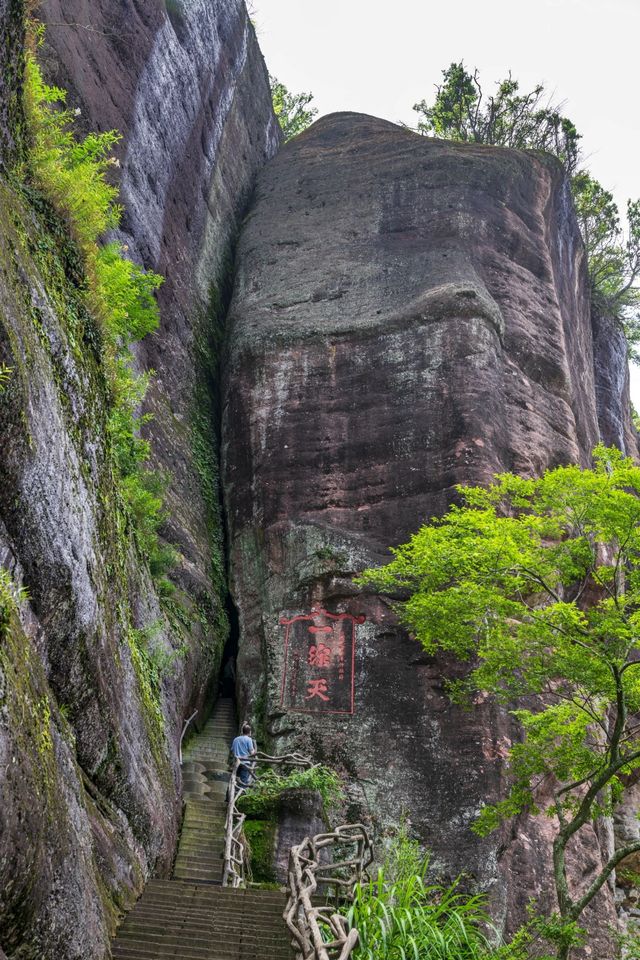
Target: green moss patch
[{"x": 261, "y": 838}]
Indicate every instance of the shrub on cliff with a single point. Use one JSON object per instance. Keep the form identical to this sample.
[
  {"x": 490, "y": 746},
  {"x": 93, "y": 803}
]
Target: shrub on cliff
[
  {"x": 613, "y": 254},
  {"x": 537, "y": 584},
  {"x": 291, "y": 109},
  {"x": 508, "y": 118},
  {"x": 267, "y": 790},
  {"x": 10, "y": 599}
]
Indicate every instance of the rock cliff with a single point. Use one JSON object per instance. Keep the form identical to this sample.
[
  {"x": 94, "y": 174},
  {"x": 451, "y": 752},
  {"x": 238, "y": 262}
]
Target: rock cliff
[
  {"x": 408, "y": 314},
  {"x": 97, "y": 672},
  {"x": 186, "y": 85}
]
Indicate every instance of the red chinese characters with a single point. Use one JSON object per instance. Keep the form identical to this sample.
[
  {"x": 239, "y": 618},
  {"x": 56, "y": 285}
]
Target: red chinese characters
[
  {"x": 319, "y": 654},
  {"x": 317, "y": 688}
]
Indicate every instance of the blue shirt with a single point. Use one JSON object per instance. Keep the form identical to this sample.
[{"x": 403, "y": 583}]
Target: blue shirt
[{"x": 242, "y": 747}]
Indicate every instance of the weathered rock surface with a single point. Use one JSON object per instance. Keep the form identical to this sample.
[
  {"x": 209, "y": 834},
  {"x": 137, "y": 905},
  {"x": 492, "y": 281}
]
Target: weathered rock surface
[
  {"x": 88, "y": 792},
  {"x": 89, "y": 780},
  {"x": 408, "y": 314},
  {"x": 11, "y": 119},
  {"x": 611, "y": 367},
  {"x": 300, "y": 815},
  {"x": 186, "y": 85}
]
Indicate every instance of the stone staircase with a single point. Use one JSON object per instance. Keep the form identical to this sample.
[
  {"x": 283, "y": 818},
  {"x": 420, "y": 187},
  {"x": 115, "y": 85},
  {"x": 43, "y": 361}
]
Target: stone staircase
[
  {"x": 191, "y": 916},
  {"x": 205, "y": 772}
]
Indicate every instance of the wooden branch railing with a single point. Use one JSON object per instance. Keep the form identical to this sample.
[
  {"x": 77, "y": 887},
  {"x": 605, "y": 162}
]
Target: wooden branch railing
[
  {"x": 235, "y": 847},
  {"x": 320, "y": 932}
]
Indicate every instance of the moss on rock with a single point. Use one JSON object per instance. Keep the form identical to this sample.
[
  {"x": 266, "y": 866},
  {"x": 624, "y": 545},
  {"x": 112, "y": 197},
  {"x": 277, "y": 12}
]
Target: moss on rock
[{"x": 261, "y": 838}]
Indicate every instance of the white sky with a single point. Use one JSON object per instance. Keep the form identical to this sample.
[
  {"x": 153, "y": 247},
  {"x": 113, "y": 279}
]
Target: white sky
[{"x": 381, "y": 56}]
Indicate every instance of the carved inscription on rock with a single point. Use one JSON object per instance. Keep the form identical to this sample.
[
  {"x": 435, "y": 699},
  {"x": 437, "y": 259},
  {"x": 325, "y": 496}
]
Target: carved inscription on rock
[{"x": 319, "y": 657}]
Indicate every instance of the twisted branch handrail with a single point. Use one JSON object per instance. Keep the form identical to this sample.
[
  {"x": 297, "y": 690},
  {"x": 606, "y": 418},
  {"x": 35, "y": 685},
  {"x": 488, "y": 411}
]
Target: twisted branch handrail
[
  {"x": 319, "y": 932},
  {"x": 234, "y": 845}
]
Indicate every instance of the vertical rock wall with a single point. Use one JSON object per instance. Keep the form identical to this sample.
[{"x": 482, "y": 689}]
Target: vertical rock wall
[
  {"x": 89, "y": 780},
  {"x": 407, "y": 314},
  {"x": 186, "y": 85},
  {"x": 11, "y": 118},
  {"x": 611, "y": 366}
]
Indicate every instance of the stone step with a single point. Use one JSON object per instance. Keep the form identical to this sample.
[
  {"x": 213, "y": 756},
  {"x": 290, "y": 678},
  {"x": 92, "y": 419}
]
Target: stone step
[
  {"x": 210, "y": 839},
  {"x": 204, "y": 818},
  {"x": 227, "y": 893},
  {"x": 208, "y": 910},
  {"x": 198, "y": 863},
  {"x": 210, "y": 828},
  {"x": 191, "y": 916},
  {"x": 209, "y": 808},
  {"x": 202, "y": 838},
  {"x": 155, "y": 929},
  {"x": 202, "y": 932},
  {"x": 143, "y": 951},
  {"x": 134, "y": 949},
  {"x": 192, "y": 875},
  {"x": 212, "y": 804},
  {"x": 271, "y": 926},
  {"x": 208, "y": 906},
  {"x": 206, "y": 806},
  {"x": 195, "y": 767},
  {"x": 201, "y": 852}
]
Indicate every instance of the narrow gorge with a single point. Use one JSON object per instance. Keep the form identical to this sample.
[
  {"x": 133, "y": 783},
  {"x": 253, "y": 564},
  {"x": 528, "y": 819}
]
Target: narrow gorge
[{"x": 351, "y": 324}]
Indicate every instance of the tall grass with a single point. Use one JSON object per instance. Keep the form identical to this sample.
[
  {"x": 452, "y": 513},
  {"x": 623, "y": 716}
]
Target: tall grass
[
  {"x": 399, "y": 916},
  {"x": 413, "y": 920}
]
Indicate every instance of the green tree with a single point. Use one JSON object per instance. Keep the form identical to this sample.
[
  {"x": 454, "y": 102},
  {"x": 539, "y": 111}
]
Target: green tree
[
  {"x": 507, "y": 118},
  {"x": 613, "y": 255},
  {"x": 537, "y": 584},
  {"x": 291, "y": 109}
]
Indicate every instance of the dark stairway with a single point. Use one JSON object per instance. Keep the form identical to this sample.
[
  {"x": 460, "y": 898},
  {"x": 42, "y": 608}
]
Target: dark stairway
[{"x": 191, "y": 916}]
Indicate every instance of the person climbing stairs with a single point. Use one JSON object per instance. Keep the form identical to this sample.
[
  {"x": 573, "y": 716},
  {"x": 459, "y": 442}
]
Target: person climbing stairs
[{"x": 191, "y": 916}]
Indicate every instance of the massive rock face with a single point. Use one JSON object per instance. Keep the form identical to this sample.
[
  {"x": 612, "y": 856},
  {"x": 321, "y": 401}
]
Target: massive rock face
[
  {"x": 407, "y": 314},
  {"x": 186, "y": 85},
  {"x": 89, "y": 781}
]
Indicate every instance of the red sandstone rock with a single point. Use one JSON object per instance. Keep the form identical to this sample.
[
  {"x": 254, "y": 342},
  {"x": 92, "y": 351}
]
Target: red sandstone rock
[{"x": 408, "y": 314}]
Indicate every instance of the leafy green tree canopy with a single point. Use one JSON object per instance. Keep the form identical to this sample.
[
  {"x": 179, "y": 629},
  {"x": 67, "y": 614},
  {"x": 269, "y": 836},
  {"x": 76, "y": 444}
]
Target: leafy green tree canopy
[
  {"x": 507, "y": 118},
  {"x": 291, "y": 109},
  {"x": 537, "y": 584}
]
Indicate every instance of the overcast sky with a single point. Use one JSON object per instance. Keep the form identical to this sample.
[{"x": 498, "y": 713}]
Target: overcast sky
[{"x": 381, "y": 56}]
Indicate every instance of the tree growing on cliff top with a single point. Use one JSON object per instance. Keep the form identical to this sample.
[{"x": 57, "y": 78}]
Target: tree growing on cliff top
[
  {"x": 537, "y": 584},
  {"x": 507, "y": 118},
  {"x": 510, "y": 118},
  {"x": 291, "y": 109}
]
